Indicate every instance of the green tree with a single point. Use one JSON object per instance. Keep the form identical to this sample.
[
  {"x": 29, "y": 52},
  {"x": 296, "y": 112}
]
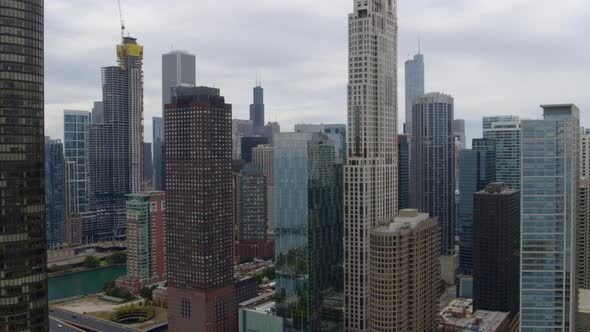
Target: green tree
[
  {"x": 91, "y": 262},
  {"x": 118, "y": 258},
  {"x": 146, "y": 293}
]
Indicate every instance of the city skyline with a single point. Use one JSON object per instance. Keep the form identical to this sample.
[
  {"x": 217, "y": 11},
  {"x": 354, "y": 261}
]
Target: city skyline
[{"x": 453, "y": 47}]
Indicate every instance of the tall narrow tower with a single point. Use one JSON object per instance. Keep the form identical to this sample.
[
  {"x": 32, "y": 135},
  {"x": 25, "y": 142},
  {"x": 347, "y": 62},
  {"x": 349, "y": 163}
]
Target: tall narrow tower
[
  {"x": 370, "y": 176},
  {"x": 257, "y": 109}
]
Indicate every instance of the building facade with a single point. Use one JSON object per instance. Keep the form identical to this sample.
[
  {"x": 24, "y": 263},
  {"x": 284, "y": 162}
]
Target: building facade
[
  {"x": 199, "y": 212},
  {"x": 249, "y": 143},
  {"x": 496, "y": 246},
  {"x": 550, "y": 161},
  {"x": 252, "y": 205},
  {"x": 308, "y": 236},
  {"x": 146, "y": 241},
  {"x": 158, "y": 137},
  {"x": 148, "y": 167},
  {"x": 55, "y": 209},
  {"x": 75, "y": 148},
  {"x": 263, "y": 157},
  {"x": 506, "y": 131},
  {"x": 432, "y": 173},
  {"x": 115, "y": 146},
  {"x": 583, "y": 234},
  {"x": 477, "y": 168},
  {"x": 370, "y": 174},
  {"x": 403, "y": 146},
  {"x": 415, "y": 87},
  {"x": 404, "y": 274},
  {"x": 178, "y": 68},
  {"x": 23, "y": 271},
  {"x": 257, "y": 110}
]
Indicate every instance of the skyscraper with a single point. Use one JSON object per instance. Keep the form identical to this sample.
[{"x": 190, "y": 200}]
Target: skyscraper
[
  {"x": 199, "y": 212},
  {"x": 403, "y": 147},
  {"x": 459, "y": 133},
  {"x": 158, "y": 137},
  {"x": 263, "y": 157},
  {"x": 496, "y": 245},
  {"x": 476, "y": 171},
  {"x": 98, "y": 112},
  {"x": 414, "y": 87},
  {"x": 550, "y": 174},
  {"x": 115, "y": 146},
  {"x": 432, "y": 172},
  {"x": 55, "y": 193},
  {"x": 505, "y": 130},
  {"x": 178, "y": 68},
  {"x": 308, "y": 239},
  {"x": 583, "y": 234},
  {"x": 585, "y": 153},
  {"x": 405, "y": 274},
  {"x": 148, "y": 166},
  {"x": 75, "y": 140},
  {"x": 257, "y": 110},
  {"x": 370, "y": 176},
  {"x": 252, "y": 205},
  {"x": 146, "y": 241},
  {"x": 249, "y": 143},
  {"x": 23, "y": 268}
]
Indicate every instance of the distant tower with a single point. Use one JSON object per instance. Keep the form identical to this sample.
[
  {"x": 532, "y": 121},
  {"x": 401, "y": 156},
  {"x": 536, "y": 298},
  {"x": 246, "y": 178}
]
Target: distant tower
[
  {"x": 199, "y": 212},
  {"x": 55, "y": 193},
  {"x": 75, "y": 142},
  {"x": 257, "y": 110},
  {"x": 370, "y": 174},
  {"x": 506, "y": 131},
  {"x": 414, "y": 86},
  {"x": 432, "y": 171}
]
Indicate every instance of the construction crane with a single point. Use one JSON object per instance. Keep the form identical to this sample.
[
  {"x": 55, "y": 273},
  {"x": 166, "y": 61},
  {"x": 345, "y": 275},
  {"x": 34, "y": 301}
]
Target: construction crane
[{"x": 122, "y": 22}]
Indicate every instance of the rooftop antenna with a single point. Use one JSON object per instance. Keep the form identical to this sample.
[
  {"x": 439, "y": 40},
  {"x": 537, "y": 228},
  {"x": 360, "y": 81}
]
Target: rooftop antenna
[
  {"x": 122, "y": 22},
  {"x": 419, "y": 43}
]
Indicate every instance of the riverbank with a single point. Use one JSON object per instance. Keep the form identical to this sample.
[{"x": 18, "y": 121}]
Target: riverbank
[
  {"x": 76, "y": 270},
  {"x": 90, "y": 281}
]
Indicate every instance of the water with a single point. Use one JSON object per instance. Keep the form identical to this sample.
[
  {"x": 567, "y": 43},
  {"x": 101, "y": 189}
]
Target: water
[{"x": 82, "y": 283}]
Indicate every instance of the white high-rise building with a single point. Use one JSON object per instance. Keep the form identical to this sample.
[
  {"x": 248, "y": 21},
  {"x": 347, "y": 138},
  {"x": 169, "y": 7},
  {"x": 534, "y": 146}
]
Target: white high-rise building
[{"x": 370, "y": 175}]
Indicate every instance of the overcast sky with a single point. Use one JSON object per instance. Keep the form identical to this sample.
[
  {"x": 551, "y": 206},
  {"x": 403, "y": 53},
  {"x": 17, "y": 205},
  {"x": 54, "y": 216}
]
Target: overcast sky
[{"x": 493, "y": 56}]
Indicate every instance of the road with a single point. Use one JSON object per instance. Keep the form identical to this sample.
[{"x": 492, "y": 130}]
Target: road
[
  {"x": 59, "y": 326},
  {"x": 87, "y": 322}
]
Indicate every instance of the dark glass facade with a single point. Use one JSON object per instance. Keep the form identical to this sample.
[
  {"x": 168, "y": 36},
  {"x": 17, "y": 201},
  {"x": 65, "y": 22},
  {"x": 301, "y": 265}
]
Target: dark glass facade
[
  {"x": 23, "y": 257},
  {"x": 257, "y": 109},
  {"x": 55, "y": 209},
  {"x": 496, "y": 239},
  {"x": 158, "y": 137},
  {"x": 249, "y": 143},
  {"x": 403, "y": 146},
  {"x": 199, "y": 211}
]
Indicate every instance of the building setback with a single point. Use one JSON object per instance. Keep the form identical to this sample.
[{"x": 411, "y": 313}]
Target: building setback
[
  {"x": 404, "y": 274},
  {"x": 23, "y": 268},
  {"x": 496, "y": 245},
  {"x": 370, "y": 174},
  {"x": 432, "y": 172},
  {"x": 199, "y": 212},
  {"x": 550, "y": 162},
  {"x": 55, "y": 208},
  {"x": 146, "y": 241}
]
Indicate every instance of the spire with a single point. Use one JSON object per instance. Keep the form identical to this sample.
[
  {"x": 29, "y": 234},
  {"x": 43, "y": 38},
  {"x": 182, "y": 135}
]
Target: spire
[{"x": 419, "y": 44}]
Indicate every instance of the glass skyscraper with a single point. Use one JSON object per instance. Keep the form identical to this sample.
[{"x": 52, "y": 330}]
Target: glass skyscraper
[
  {"x": 505, "y": 130},
  {"x": 476, "y": 171},
  {"x": 414, "y": 87},
  {"x": 549, "y": 184},
  {"x": 54, "y": 193},
  {"x": 158, "y": 138},
  {"x": 75, "y": 138},
  {"x": 403, "y": 145},
  {"x": 23, "y": 262},
  {"x": 308, "y": 235}
]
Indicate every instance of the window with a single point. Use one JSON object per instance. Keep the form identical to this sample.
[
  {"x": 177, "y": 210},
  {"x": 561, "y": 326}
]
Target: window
[{"x": 185, "y": 308}]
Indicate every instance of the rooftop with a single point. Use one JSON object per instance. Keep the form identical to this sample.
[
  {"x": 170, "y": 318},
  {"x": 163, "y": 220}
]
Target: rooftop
[{"x": 407, "y": 219}]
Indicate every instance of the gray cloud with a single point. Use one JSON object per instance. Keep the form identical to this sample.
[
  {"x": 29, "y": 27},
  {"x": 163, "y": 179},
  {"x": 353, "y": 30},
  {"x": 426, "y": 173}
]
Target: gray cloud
[{"x": 494, "y": 57}]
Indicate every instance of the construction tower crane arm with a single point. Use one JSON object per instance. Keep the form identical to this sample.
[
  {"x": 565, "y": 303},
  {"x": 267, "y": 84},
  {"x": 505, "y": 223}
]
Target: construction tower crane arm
[{"x": 122, "y": 22}]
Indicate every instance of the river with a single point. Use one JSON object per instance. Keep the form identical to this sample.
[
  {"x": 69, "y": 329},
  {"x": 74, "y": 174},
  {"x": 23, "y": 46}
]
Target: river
[{"x": 82, "y": 283}]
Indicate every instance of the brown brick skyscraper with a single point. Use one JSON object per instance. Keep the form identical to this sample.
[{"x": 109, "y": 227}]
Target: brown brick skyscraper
[{"x": 199, "y": 211}]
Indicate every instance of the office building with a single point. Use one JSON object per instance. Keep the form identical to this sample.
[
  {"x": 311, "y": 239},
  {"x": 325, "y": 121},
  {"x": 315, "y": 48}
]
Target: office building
[
  {"x": 199, "y": 212},
  {"x": 403, "y": 146},
  {"x": 75, "y": 149},
  {"x": 146, "y": 241},
  {"x": 496, "y": 245},
  {"x": 178, "y": 68},
  {"x": 432, "y": 172},
  {"x": 459, "y": 133},
  {"x": 505, "y": 130},
  {"x": 70, "y": 188},
  {"x": 115, "y": 145},
  {"x": 158, "y": 137},
  {"x": 404, "y": 274},
  {"x": 308, "y": 236},
  {"x": 480, "y": 321},
  {"x": 257, "y": 110},
  {"x": 263, "y": 157},
  {"x": 550, "y": 162},
  {"x": 476, "y": 171},
  {"x": 585, "y": 153},
  {"x": 249, "y": 143},
  {"x": 370, "y": 174},
  {"x": 97, "y": 114},
  {"x": 252, "y": 205},
  {"x": 335, "y": 132},
  {"x": 23, "y": 274},
  {"x": 54, "y": 193},
  {"x": 583, "y": 234},
  {"x": 270, "y": 130},
  {"x": 414, "y": 87}
]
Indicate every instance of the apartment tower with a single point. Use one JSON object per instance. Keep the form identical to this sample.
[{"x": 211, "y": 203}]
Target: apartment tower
[
  {"x": 199, "y": 211},
  {"x": 23, "y": 271},
  {"x": 370, "y": 175}
]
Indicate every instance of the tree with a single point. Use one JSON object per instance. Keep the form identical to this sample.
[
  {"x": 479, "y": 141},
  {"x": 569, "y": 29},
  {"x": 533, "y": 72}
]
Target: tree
[
  {"x": 91, "y": 262},
  {"x": 146, "y": 293},
  {"x": 118, "y": 258}
]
